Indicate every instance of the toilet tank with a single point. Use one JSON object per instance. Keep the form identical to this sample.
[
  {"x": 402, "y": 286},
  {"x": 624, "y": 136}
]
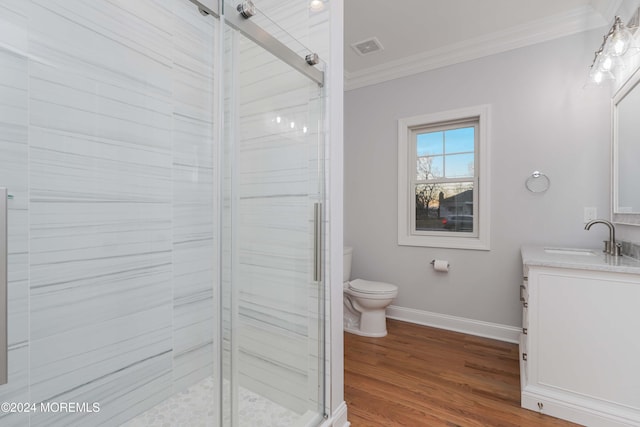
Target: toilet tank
[{"x": 346, "y": 266}]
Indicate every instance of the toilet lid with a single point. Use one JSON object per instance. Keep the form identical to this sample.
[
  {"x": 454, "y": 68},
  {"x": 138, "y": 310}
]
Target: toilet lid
[{"x": 369, "y": 287}]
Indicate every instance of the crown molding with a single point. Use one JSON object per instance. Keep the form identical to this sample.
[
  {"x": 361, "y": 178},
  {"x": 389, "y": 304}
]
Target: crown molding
[
  {"x": 542, "y": 30},
  {"x": 607, "y": 8},
  {"x": 626, "y": 11}
]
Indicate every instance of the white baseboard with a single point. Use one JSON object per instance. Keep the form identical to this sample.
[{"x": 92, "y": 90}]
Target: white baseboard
[
  {"x": 338, "y": 418},
  {"x": 458, "y": 324},
  {"x": 578, "y": 409}
]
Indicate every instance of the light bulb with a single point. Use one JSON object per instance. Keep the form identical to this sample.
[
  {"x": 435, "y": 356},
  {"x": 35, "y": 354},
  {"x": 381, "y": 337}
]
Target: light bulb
[
  {"x": 304, "y": 129},
  {"x": 597, "y": 77},
  {"x": 606, "y": 64},
  {"x": 292, "y": 124},
  {"x": 619, "y": 47},
  {"x": 278, "y": 119},
  {"x": 620, "y": 39},
  {"x": 316, "y": 5}
]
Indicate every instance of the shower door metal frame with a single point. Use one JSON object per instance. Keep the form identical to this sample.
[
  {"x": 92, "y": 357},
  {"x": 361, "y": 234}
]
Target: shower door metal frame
[
  {"x": 4, "y": 253},
  {"x": 262, "y": 38}
]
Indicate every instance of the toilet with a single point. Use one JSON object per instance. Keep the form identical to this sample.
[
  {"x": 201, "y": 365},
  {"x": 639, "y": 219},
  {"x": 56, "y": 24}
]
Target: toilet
[{"x": 365, "y": 302}]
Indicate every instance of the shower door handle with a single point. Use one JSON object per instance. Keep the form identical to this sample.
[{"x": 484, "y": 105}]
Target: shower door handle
[
  {"x": 317, "y": 242},
  {"x": 4, "y": 374}
]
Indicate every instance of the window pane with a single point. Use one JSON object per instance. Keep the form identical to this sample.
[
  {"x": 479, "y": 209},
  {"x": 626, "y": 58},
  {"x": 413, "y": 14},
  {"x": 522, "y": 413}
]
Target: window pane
[
  {"x": 444, "y": 207},
  {"x": 429, "y": 144},
  {"x": 429, "y": 167},
  {"x": 459, "y": 165},
  {"x": 459, "y": 140}
]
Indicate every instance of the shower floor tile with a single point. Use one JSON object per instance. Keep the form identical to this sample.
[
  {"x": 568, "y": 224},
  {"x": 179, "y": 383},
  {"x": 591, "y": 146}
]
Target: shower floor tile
[{"x": 195, "y": 407}]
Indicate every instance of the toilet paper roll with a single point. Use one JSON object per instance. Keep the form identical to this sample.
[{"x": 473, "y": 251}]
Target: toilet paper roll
[{"x": 441, "y": 265}]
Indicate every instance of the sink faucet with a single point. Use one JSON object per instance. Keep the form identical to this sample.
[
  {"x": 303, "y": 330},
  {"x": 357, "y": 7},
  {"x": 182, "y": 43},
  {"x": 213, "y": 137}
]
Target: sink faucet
[{"x": 610, "y": 246}]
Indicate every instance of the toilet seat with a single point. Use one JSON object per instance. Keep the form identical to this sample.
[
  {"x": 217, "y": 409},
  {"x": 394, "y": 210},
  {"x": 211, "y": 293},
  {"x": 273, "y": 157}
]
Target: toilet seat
[{"x": 373, "y": 288}]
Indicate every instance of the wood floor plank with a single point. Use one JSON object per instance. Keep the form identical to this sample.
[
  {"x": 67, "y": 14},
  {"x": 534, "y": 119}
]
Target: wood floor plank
[{"x": 420, "y": 376}]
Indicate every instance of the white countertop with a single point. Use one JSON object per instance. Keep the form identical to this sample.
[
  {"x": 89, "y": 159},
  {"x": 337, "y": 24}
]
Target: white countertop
[{"x": 599, "y": 261}]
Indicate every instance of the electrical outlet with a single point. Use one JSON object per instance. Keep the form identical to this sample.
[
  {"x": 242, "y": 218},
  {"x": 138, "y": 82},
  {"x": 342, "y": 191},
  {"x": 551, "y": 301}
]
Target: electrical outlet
[{"x": 590, "y": 214}]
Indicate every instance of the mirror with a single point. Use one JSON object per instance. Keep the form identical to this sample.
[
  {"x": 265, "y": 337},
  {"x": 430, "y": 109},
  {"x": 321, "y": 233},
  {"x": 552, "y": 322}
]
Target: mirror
[{"x": 626, "y": 152}]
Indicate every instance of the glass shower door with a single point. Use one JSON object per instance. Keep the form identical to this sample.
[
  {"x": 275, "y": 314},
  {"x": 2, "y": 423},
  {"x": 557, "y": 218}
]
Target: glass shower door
[{"x": 272, "y": 289}]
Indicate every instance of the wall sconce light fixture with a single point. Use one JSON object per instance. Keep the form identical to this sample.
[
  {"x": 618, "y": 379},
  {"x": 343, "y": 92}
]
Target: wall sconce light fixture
[{"x": 608, "y": 58}]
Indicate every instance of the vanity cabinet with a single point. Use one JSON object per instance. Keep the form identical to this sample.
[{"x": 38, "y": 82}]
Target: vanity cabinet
[{"x": 580, "y": 344}]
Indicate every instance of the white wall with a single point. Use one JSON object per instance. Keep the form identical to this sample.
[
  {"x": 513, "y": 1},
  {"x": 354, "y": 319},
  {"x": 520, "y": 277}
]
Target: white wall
[{"x": 542, "y": 119}]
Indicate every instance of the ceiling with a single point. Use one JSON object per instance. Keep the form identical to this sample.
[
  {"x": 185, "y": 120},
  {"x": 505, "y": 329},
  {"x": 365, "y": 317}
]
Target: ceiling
[{"x": 420, "y": 35}]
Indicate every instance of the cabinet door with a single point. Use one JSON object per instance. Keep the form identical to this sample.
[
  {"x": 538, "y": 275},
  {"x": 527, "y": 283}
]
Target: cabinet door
[
  {"x": 583, "y": 333},
  {"x": 524, "y": 366}
]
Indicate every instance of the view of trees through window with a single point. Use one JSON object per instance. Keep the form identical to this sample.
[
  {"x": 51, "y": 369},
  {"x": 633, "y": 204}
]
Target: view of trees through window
[{"x": 445, "y": 176}]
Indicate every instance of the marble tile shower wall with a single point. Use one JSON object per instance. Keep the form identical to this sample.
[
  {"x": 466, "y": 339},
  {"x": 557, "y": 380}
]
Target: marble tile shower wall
[{"x": 106, "y": 134}]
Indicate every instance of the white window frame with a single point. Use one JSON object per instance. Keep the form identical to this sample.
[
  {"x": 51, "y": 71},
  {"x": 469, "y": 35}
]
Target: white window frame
[{"x": 407, "y": 235}]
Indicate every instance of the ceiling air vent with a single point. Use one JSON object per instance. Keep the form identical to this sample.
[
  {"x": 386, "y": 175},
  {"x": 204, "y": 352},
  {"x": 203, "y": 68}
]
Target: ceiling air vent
[{"x": 368, "y": 46}]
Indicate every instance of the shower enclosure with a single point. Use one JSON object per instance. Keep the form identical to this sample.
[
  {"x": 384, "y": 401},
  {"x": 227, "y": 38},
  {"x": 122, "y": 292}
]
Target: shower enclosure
[{"x": 164, "y": 166}]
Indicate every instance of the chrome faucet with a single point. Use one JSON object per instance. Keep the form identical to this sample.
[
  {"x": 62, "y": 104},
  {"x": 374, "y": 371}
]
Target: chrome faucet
[{"x": 610, "y": 246}]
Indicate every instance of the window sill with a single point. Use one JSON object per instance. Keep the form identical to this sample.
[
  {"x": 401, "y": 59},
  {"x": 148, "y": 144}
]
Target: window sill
[{"x": 449, "y": 242}]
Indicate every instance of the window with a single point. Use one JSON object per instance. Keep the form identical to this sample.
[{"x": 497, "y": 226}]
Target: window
[{"x": 443, "y": 179}]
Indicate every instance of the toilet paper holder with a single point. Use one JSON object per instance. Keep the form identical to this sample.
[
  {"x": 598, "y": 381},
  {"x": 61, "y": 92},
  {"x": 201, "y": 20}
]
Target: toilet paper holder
[{"x": 433, "y": 263}]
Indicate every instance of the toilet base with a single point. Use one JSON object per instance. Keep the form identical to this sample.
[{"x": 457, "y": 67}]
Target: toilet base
[
  {"x": 371, "y": 324},
  {"x": 366, "y": 334}
]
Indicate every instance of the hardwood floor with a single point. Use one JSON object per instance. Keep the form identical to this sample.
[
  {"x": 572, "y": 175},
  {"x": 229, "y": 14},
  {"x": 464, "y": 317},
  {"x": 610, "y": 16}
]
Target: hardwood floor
[{"x": 421, "y": 376}]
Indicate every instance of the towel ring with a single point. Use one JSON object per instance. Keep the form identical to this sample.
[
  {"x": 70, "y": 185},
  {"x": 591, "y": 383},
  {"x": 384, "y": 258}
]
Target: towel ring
[{"x": 538, "y": 182}]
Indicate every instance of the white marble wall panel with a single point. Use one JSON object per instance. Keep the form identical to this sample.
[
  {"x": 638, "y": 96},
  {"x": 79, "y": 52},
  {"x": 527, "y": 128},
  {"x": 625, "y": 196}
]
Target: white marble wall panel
[
  {"x": 13, "y": 31},
  {"x": 194, "y": 221},
  {"x": 114, "y": 125},
  {"x": 265, "y": 367},
  {"x": 115, "y": 41},
  {"x": 13, "y": 175}
]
